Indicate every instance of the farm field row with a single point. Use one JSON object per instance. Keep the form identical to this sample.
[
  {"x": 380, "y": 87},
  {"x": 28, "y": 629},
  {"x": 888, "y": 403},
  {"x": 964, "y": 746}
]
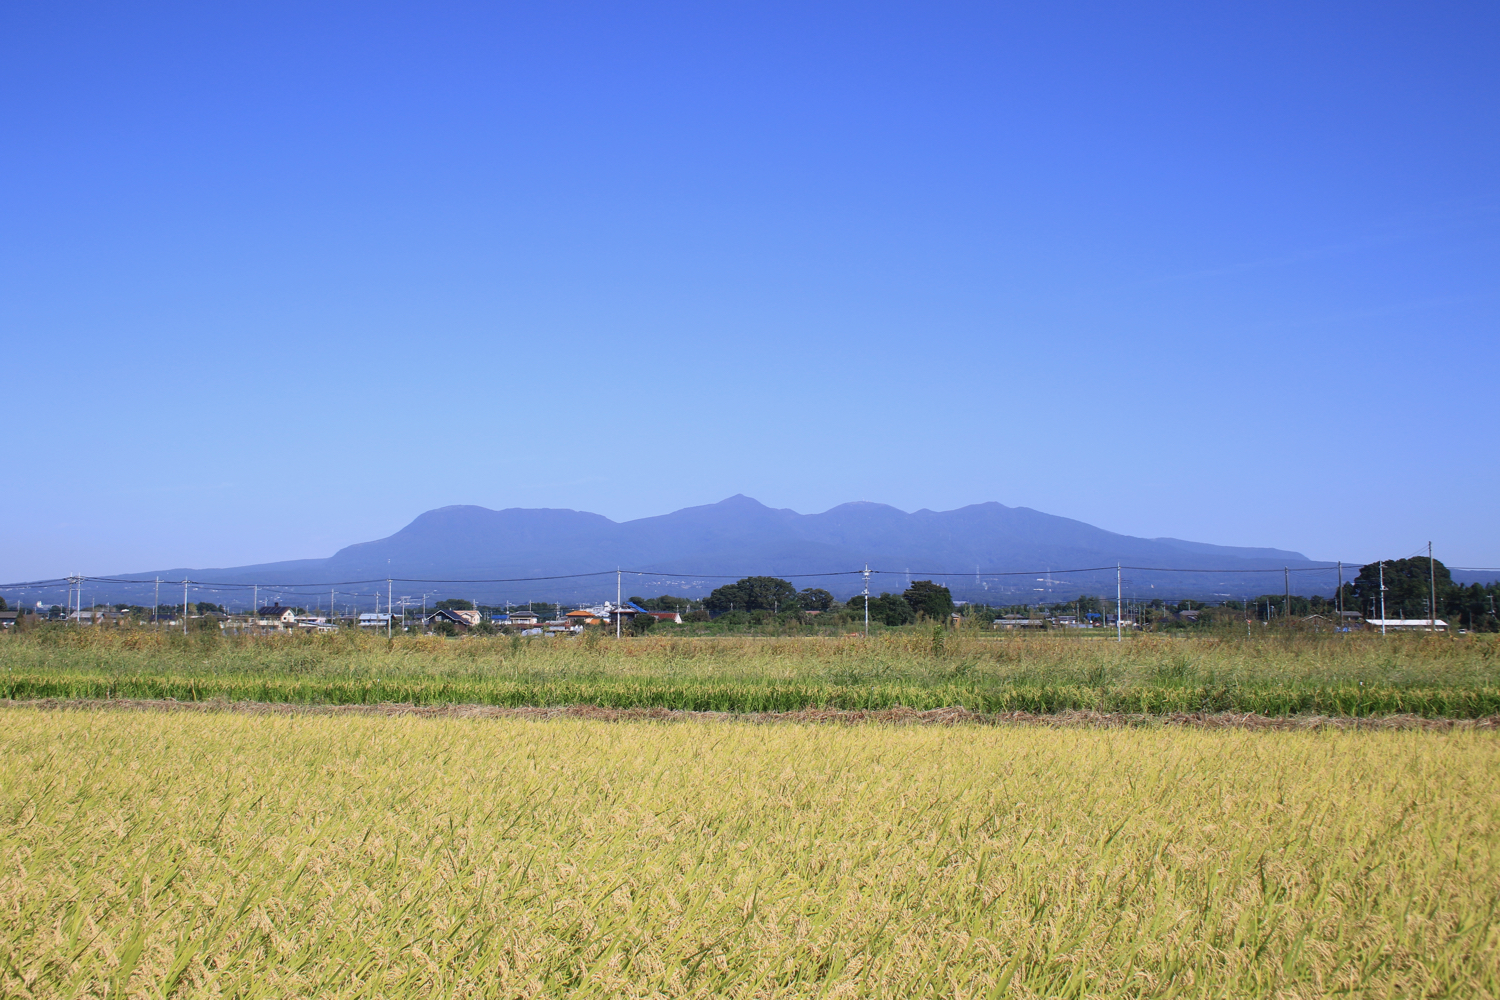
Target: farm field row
[
  {"x": 233, "y": 855},
  {"x": 1456, "y": 677}
]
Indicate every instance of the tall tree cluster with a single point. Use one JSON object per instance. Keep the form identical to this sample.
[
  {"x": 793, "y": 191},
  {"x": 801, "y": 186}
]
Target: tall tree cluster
[
  {"x": 923, "y": 599},
  {"x": 1408, "y": 589}
]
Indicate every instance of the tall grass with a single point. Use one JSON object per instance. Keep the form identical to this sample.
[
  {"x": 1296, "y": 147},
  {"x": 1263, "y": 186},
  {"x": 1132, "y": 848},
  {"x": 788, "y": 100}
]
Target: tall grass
[
  {"x": 190, "y": 856},
  {"x": 1345, "y": 675}
]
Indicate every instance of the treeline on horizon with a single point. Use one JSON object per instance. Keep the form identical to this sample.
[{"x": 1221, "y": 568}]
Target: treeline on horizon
[
  {"x": 757, "y": 600},
  {"x": 1408, "y": 586}
]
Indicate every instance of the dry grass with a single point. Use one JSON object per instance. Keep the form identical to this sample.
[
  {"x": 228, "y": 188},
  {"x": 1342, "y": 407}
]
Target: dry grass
[{"x": 185, "y": 854}]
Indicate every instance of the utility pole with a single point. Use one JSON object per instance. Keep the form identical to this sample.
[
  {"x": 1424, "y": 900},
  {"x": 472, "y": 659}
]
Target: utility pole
[
  {"x": 184, "y": 607},
  {"x": 1286, "y": 601},
  {"x": 1431, "y": 592},
  {"x": 1382, "y": 597},
  {"x": 617, "y": 602},
  {"x": 156, "y": 607},
  {"x": 1339, "y": 594},
  {"x": 1119, "y": 592},
  {"x": 867, "y": 600},
  {"x": 388, "y": 606}
]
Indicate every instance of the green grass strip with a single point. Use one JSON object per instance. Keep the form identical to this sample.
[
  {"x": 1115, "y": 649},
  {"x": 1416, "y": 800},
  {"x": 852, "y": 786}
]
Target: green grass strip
[{"x": 1353, "y": 699}]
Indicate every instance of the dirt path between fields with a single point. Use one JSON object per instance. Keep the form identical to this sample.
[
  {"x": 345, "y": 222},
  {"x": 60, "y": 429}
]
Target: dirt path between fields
[{"x": 809, "y": 716}]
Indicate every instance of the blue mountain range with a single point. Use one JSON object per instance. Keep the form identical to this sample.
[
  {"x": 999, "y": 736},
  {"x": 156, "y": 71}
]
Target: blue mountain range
[{"x": 985, "y": 551}]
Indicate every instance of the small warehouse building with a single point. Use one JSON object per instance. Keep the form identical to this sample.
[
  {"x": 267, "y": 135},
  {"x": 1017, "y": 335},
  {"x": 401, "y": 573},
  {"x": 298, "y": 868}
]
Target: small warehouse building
[{"x": 1407, "y": 624}]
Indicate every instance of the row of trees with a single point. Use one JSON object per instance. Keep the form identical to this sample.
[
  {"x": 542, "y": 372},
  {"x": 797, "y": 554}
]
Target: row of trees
[
  {"x": 1409, "y": 593},
  {"x": 136, "y": 610},
  {"x": 923, "y": 599},
  {"x": 1409, "y": 585}
]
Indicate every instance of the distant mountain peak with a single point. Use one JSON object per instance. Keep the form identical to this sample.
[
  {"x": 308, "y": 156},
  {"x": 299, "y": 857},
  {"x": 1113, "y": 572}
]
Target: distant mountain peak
[
  {"x": 693, "y": 546},
  {"x": 864, "y": 505}
]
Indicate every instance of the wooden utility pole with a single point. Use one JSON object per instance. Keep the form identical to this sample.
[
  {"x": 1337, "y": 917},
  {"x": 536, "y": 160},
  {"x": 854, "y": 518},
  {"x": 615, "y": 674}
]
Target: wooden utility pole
[
  {"x": 1431, "y": 591},
  {"x": 1286, "y": 601}
]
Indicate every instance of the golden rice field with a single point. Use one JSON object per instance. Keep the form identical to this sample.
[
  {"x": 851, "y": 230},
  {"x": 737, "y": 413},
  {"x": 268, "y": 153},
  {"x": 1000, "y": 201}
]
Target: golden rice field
[{"x": 226, "y": 855}]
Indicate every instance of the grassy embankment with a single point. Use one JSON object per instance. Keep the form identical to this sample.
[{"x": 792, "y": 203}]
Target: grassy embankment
[
  {"x": 253, "y": 856},
  {"x": 1356, "y": 675}
]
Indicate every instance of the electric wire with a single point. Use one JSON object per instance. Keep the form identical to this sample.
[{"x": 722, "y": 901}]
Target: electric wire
[{"x": 657, "y": 574}]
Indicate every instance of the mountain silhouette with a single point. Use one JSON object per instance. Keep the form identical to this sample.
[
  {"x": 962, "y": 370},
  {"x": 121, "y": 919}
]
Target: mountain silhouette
[{"x": 688, "y": 552}]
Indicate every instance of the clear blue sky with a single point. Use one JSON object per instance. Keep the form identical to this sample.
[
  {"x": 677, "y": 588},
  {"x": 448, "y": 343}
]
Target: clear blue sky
[{"x": 277, "y": 278}]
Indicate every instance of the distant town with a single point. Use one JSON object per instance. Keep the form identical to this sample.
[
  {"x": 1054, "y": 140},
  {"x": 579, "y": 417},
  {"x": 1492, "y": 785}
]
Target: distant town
[{"x": 1399, "y": 595}]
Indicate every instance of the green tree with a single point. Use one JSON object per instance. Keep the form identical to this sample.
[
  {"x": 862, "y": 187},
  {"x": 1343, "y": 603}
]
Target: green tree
[
  {"x": 3, "y": 605},
  {"x": 454, "y": 604},
  {"x": 1407, "y": 587},
  {"x": 1475, "y": 607},
  {"x": 929, "y": 599},
  {"x": 815, "y": 599},
  {"x": 754, "y": 593},
  {"x": 891, "y": 609},
  {"x": 666, "y": 602}
]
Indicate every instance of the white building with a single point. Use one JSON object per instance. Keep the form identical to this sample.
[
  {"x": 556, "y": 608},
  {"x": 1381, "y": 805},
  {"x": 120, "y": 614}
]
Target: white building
[{"x": 1407, "y": 624}]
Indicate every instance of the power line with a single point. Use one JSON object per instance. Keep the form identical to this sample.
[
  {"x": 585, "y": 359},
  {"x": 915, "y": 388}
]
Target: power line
[
  {"x": 298, "y": 588},
  {"x": 307, "y": 589},
  {"x": 1101, "y": 569}
]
